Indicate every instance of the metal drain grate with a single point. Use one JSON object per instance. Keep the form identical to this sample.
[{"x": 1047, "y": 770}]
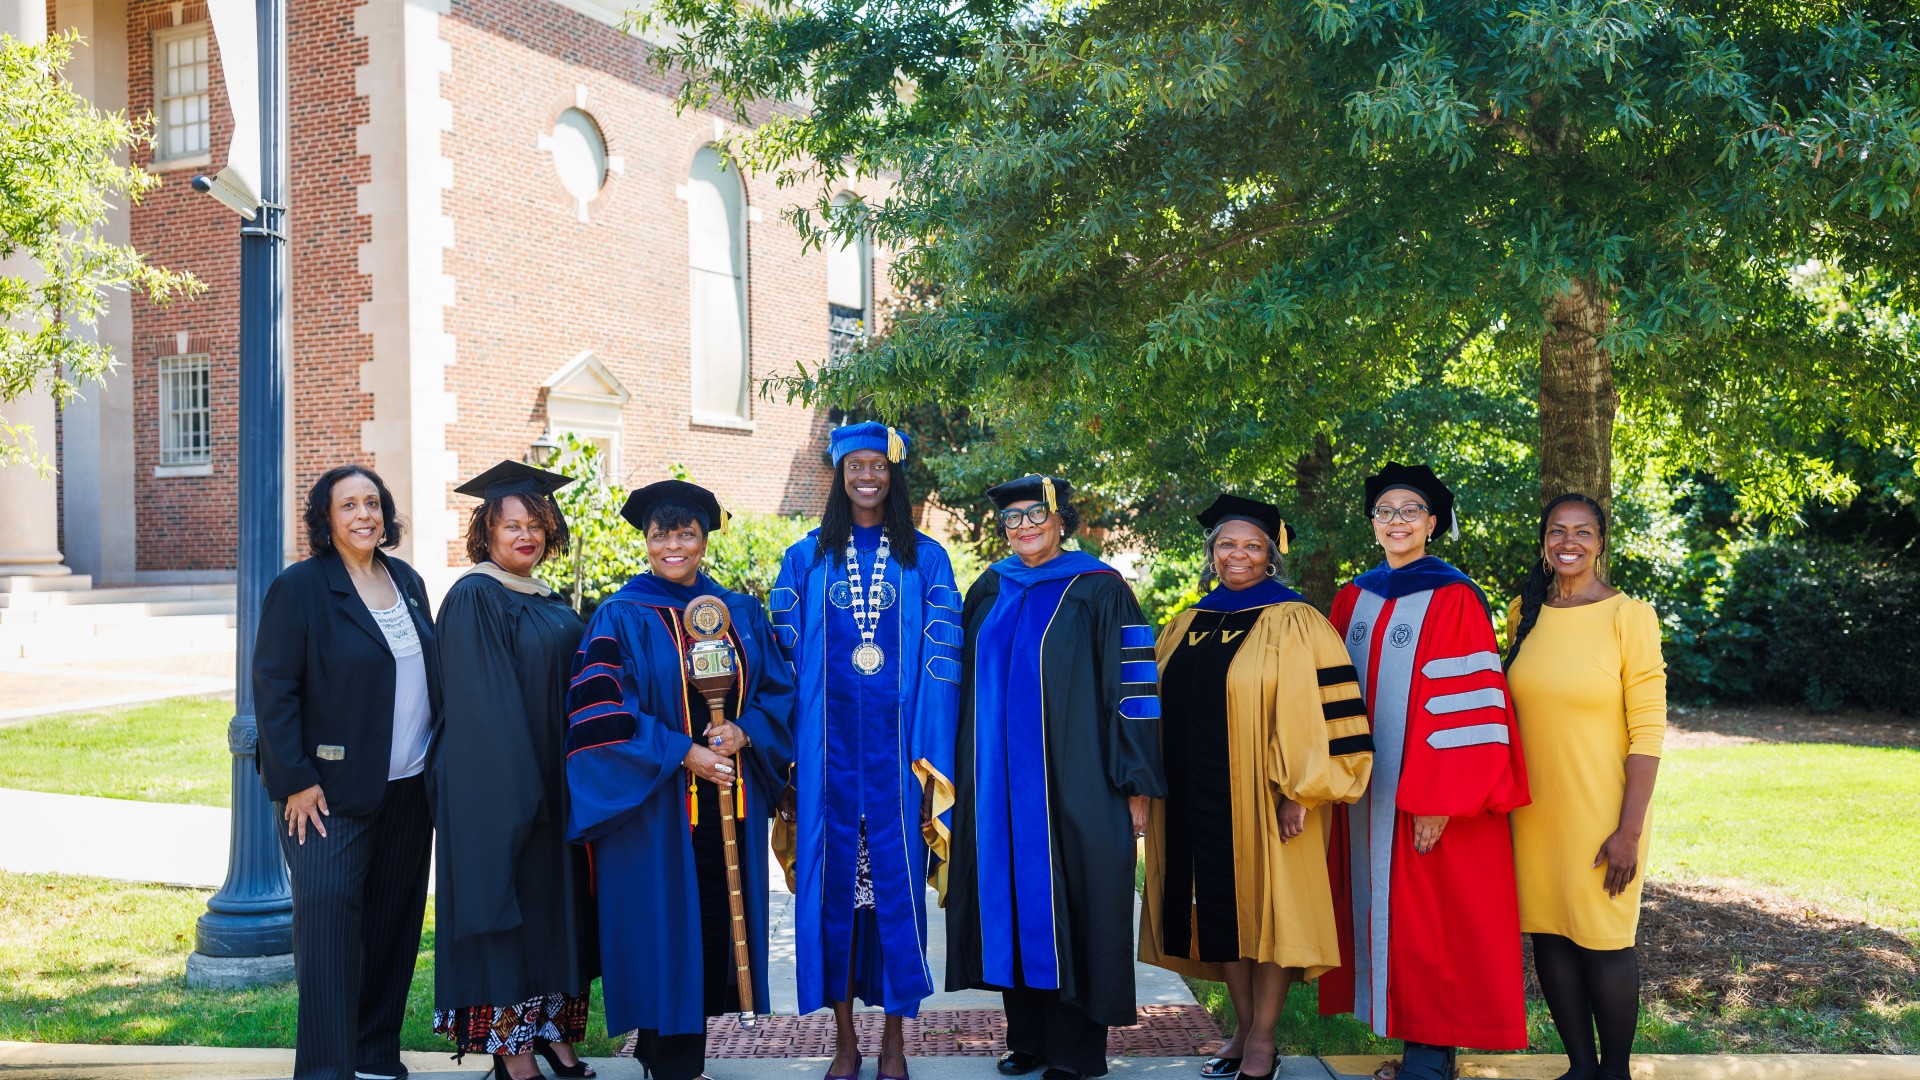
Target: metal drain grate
[{"x": 1163, "y": 1031}]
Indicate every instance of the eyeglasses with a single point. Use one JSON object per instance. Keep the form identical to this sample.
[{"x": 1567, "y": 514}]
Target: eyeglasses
[
  {"x": 1032, "y": 515},
  {"x": 1410, "y": 513}
]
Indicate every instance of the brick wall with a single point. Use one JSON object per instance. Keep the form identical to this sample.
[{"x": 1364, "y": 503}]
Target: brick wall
[
  {"x": 183, "y": 522},
  {"x": 186, "y": 523},
  {"x": 536, "y": 285},
  {"x": 326, "y": 231}
]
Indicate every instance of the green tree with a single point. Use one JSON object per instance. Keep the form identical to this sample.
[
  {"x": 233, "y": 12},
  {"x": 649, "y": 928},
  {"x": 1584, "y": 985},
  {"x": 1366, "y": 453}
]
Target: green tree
[
  {"x": 1202, "y": 242},
  {"x": 60, "y": 176}
]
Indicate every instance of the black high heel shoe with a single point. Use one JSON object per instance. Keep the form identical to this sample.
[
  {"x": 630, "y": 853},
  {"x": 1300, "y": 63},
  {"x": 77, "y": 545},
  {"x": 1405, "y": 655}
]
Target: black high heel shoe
[
  {"x": 545, "y": 1050},
  {"x": 501, "y": 1072}
]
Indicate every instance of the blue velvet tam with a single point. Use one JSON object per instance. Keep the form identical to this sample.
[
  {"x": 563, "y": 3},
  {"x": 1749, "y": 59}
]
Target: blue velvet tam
[{"x": 868, "y": 436}]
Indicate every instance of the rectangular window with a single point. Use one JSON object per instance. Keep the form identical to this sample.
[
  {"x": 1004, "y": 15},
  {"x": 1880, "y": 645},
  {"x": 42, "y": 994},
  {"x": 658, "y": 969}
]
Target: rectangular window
[
  {"x": 846, "y": 329},
  {"x": 186, "y": 412},
  {"x": 180, "y": 93}
]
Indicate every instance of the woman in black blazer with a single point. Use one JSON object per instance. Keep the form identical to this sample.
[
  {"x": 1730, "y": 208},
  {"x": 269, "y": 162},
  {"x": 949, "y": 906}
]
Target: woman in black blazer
[{"x": 346, "y": 690}]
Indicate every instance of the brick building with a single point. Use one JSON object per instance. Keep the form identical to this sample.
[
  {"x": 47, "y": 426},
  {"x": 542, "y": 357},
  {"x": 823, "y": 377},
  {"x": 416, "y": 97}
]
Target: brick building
[{"x": 500, "y": 229}]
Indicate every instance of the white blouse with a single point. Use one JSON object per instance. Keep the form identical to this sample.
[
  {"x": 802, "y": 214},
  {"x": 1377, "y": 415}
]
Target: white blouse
[{"x": 412, "y": 711}]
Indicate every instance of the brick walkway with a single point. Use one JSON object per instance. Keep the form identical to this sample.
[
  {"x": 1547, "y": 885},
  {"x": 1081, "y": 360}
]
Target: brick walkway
[{"x": 1163, "y": 1031}]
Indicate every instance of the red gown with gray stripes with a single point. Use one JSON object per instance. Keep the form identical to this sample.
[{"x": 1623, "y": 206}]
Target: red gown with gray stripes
[{"x": 1429, "y": 944}]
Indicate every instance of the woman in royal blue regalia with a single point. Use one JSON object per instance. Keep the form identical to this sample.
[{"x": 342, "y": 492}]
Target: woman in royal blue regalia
[
  {"x": 646, "y": 773},
  {"x": 1057, "y": 757},
  {"x": 866, "y": 609}
]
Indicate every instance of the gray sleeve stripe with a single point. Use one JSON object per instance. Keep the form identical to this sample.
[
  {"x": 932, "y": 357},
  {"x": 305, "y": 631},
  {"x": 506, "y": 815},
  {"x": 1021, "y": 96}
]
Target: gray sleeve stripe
[
  {"x": 1471, "y": 735},
  {"x": 1491, "y": 697},
  {"x": 1454, "y": 666}
]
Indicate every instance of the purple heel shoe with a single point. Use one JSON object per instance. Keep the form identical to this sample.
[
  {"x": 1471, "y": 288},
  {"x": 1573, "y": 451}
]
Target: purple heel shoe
[
  {"x": 854, "y": 1075},
  {"x": 902, "y": 1076}
]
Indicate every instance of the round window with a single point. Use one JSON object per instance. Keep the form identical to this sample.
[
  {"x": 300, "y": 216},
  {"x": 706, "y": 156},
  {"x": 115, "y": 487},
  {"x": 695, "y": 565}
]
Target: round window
[{"x": 579, "y": 154}]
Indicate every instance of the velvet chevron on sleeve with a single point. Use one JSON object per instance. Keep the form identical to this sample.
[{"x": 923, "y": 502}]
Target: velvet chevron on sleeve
[
  {"x": 868, "y": 744},
  {"x": 1054, "y": 664},
  {"x": 1255, "y": 685},
  {"x": 1445, "y": 742},
  {"x": 651, "y": 829}
]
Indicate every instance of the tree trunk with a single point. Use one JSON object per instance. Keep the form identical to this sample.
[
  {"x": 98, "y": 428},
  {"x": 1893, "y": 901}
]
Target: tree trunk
[
  {"x": 1577, "y": 398},
  {"x": 1314, "y": 568}
]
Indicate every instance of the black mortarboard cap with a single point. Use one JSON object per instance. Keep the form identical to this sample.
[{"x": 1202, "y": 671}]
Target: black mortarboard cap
[
  {"x": 641, "y": 500},
  {"x": 513, "y": 478},
  {"x": 1264, "y": 515},
  {"x": 1049, "y": 490},
  {"x": 1420, "y": 480}
]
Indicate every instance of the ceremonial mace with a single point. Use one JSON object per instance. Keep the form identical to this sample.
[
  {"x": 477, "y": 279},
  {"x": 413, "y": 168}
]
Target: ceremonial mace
[{"x": 711, "y": 669}]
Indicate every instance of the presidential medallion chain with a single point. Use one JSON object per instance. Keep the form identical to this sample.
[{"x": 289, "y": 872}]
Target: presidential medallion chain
[{"x": 867, "y": 657}]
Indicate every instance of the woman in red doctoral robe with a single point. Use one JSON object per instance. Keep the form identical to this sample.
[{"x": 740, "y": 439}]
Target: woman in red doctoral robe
[{"x": 1422, "y": 866}]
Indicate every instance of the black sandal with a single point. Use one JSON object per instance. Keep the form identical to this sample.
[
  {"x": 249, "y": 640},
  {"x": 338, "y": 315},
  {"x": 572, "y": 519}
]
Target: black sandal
[{"x": 1220, "y": 1068}]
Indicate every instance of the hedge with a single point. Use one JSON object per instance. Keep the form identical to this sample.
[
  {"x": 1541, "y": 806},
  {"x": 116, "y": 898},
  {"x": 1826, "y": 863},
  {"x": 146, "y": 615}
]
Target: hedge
[{"x": 1797, "y": 623}]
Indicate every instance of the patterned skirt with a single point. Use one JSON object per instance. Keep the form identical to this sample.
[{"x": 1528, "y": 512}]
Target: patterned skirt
[
  {"x": 511, "y": 1029},
  {"x": 863, "y": 873}
]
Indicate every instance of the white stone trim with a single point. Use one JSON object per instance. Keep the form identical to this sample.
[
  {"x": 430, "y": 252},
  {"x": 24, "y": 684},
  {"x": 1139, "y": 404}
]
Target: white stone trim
[
  {"x": 721, "y": 420},
  {"x": 166, "y": 165},
  {"x": 409, "y": 235},
  {"x": 170, "y": 472}
]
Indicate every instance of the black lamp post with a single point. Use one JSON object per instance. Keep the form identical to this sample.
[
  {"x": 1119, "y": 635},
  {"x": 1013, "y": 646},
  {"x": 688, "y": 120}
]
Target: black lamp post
[{"x": 245, "y": 938}]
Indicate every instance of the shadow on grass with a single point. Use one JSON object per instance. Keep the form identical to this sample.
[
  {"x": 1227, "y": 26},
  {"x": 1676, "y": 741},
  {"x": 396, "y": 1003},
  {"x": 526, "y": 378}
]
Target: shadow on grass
[
  {"x": 1723, "y": 970},
  {"x": 1764, "y": 972},
  {"x": 1733, "y": 725},
  {"x": 112, "y": 1004}
]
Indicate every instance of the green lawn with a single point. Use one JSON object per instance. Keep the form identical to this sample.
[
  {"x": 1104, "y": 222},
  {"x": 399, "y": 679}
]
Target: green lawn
[
  {"x": 169, "y": 751},
  {"x": 89, "y": 961},
  {"x": 1831, "y": 825},
  {"x": 1834, "y": 825}
]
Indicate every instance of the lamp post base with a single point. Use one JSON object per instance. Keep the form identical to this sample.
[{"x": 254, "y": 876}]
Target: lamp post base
[{"x": 237, "y": 972}]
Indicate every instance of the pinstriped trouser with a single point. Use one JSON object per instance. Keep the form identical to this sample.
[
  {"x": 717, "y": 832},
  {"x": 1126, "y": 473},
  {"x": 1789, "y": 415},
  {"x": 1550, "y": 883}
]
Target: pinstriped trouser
[{"x": 359, "y": 895}]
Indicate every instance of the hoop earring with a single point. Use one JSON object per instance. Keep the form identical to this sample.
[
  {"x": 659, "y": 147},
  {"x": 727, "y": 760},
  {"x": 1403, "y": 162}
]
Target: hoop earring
[{"x": 1273, "y": 571}]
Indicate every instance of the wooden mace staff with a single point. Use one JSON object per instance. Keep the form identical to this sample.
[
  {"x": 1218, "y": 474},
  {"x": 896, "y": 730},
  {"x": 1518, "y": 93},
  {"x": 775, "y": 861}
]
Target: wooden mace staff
[{"x": 712, "y": 669}]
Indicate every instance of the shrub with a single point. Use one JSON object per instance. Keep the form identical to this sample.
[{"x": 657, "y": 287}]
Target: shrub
[
  {"x": 607, "y": 552},
  {"x": 1785, "y": 622}
]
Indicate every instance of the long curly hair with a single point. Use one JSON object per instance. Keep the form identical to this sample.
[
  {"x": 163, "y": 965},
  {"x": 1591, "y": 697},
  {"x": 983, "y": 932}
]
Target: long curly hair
[
  {"x": 1540, "y": 579},
  {"x": 836, "y": 523}
]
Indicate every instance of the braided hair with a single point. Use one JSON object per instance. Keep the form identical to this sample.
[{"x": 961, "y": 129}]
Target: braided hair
[{"x": 1540, "y": 579}]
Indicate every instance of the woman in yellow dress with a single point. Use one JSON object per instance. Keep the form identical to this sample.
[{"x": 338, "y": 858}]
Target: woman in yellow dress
[
  {"x": 1262, "y": 729},
  {"x": 1590, "y": 688}
]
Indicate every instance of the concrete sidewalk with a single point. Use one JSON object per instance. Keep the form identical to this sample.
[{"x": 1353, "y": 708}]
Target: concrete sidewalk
[
  {"x": 173, "y": 844},
  {"x": 40, "y": 1061},
  {"x": 34, "y": 688},
  {"x": 163, "y": 843},
  {"x": 36, "y": 1061}
]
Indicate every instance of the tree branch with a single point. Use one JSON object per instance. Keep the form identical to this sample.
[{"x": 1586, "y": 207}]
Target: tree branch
[{"x": 1173, "y": 260}]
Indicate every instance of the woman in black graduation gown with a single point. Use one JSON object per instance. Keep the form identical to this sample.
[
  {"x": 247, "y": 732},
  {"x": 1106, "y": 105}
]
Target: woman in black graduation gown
[
  {"x": 514, "y": 945},
  {"x": 1059, "y": 709}
]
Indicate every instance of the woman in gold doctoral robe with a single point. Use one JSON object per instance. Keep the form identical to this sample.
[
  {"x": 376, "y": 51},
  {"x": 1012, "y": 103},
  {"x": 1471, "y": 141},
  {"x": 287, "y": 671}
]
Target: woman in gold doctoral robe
[{"x": 1263, "y": 729}]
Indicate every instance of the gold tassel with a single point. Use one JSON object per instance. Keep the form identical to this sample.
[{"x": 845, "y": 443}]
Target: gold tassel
[
  {"x": 896, "y": 450},
  {"x": 1281, "y": 538},
  {"x": 724, "y": 518},
  {"x": 1046, "y": 484}
]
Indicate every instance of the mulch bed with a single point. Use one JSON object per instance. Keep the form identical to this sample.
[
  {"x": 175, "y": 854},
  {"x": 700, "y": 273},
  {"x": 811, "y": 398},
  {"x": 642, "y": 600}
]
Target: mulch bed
[
  {"x": 1163, "y": 1031},
  {"x": 1733, "y": 725},
  {"x": 1731, "y": 944}
]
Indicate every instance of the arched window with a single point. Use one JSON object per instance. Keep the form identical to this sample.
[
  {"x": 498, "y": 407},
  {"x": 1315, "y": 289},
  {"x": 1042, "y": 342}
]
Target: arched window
[
  {"x": 849, "y": 286},
  {"x": 717, "y": 260}
]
